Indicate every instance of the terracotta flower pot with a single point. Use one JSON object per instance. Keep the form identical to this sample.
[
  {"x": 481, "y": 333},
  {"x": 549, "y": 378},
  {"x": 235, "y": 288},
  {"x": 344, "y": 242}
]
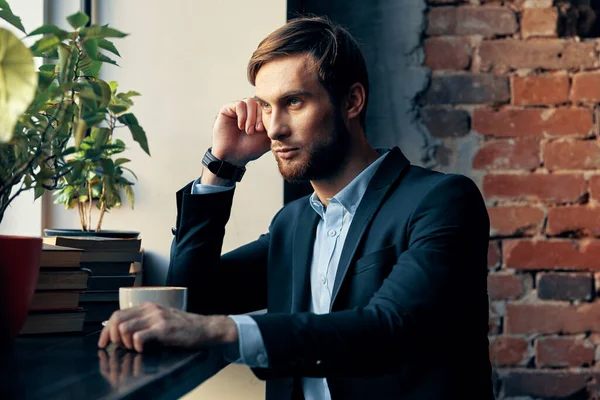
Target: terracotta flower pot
[{"x": 19, "y": 270}]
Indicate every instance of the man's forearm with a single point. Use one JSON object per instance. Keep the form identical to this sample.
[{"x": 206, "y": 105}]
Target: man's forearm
[{"x": 208, "y": 178}]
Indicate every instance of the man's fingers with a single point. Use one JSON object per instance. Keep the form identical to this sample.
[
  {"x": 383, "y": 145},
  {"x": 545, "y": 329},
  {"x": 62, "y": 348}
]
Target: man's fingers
[
  {"x": 142, "y": 338},
  {"x": 128, "y": 328},
  {"x": 251, "y": 107},
  {"x": 241, "y": 112},
  {"x": 260, "y": 127},
  {"x": 118, "y": 317},
  {"x": 104, "y": 337}
]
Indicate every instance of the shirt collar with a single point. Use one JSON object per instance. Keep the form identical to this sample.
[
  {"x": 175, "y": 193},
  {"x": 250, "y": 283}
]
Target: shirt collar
[{"x": 351, "y": 195}]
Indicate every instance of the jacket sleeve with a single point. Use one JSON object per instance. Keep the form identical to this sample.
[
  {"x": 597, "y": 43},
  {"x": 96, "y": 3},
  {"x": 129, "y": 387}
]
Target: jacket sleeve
[
  {"x": 233, "y": 283},
  {"x": 447, "y": 249}
]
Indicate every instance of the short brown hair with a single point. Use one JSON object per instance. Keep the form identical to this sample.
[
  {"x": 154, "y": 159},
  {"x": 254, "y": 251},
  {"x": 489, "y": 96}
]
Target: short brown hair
[{"x": 338, "y": 58}]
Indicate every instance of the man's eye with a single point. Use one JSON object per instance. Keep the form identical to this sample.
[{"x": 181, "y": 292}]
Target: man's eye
[
  {"x": 265, "y": 105},
  {"x": 293, "y": 102}
]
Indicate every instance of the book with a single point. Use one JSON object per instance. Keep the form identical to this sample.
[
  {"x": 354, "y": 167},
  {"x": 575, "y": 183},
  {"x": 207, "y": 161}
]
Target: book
[
  {"x": 54, "y": 299},
  {"x": 67, "y": 320},
  {"x": 62, "y": 279},
  {"x": 110, "y": 256},
  {"x": 108, "y": 268},
  {"x": 94, "y": 296},
  {"x": 60, "y": 256},
  {"x": 96, "y": 243},
  {"x": 110, "y": 282}
]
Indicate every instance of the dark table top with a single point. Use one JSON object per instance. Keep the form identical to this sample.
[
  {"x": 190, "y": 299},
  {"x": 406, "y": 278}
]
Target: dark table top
[{"x": 73, "y": 367}]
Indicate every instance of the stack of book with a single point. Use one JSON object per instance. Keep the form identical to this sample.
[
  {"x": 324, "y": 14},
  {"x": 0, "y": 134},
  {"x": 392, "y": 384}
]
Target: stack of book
[
  {"x": 55, "y": 306},
  {"x": 112, "y": 263}
]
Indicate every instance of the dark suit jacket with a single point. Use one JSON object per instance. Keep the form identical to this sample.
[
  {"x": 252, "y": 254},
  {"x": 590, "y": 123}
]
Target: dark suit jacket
[{"x": 410, "y": 297}]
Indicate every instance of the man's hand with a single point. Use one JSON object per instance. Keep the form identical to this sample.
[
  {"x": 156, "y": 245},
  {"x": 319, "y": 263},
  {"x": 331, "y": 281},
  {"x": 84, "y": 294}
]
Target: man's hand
[
  {"x": 239, "y": 135},
  {"x": 136, "y": 327}
]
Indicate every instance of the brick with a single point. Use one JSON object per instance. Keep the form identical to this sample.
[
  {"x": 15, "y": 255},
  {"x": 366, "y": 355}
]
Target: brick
[
  {"x": 551, "y": 318},
  {"x": 563, "y": 352},
  {"x": 552, "y": 54},
  {"x": 580, "y": 220},
  {"x": 540, "y": 22},
  {"x": 538, "y": 3},
  {"x": 521, "y": 153},
  {"x": 549, "y": 188},
  {"x": 565, "y": 286},
  {"x": 518, "y": 122},
  {"x": 540, "y": 89},
  {"x": 526, "y": 254},
  {"x": 485, "y": 21},
  {"x": 575, "y": 154},
  {"x": 467, "y": 89},
  {"x": 595, "y": 187},
  {"x": 444, "y": 123},
  {"x": 503, "y": 286},
  {"x": 586, "y": 87},
  {"x": 441, "y": 21},
  {"x": 515, "y": 220},
  {"x": 554, "y": 384},
  {"x": 447, "y": 53},
  {"x": 507, "y": 350},
  {"x": 494, "y": 254}
]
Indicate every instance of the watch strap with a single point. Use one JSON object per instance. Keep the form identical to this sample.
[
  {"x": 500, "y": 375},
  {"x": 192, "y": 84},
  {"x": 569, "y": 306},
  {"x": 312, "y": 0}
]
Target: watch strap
[{"x": 221, "y": 168}]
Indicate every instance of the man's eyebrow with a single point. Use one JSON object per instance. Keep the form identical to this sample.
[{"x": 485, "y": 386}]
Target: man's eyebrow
[{"x": 291, "y": 93}]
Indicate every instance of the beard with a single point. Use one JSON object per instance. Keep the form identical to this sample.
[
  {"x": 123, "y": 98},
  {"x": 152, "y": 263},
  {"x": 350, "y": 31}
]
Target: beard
[{"x": 321, "y": 159}]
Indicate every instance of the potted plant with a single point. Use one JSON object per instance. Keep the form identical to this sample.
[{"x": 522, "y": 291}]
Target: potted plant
[
  {"x": 98, "y": 179},
  {"x": 44, "y": 118}
]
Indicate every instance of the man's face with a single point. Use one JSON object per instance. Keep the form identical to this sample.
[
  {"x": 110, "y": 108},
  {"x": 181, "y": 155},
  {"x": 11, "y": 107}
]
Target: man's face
[{"x": 308, "y": 137}]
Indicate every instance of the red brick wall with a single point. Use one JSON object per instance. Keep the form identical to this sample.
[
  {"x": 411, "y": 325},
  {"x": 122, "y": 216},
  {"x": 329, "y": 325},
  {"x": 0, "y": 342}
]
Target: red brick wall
[{"x": 506, "y": 79}]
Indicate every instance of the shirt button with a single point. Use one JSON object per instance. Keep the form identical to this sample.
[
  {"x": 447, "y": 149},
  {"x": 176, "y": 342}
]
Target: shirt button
[
  {"x": 323, "y": 280},
  {"x": 353, "y": 208},
  {"x": 331, "y": 232}
]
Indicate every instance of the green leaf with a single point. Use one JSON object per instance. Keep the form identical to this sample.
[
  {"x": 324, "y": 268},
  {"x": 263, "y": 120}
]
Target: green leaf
[
  {"x": 7, "y": 15},
  {"x": 118, "y": 108},
  {"x": 130, "y": 171},
  {"x": 130, "y": 195},
  {"x": 98, "y": 32},
  {"x": 92, "y": 68},
  {"x": 100, "y": 136},
  {"x": 103, "y": 58},
  {"x": 78, "y": 20},
  {"x": 80, "y": 129},
  {"x": 120, "y": 161},
  {"x": 113, "y": 86},
  {"x": 108, "y": 45},
  {"x": 18, "y": 82},
  {"x": 64, "y": 55},
  {"x": 93, "y": 118},
  {"x": 45, "y": 44},
  {"x": 38, "y": 191},
  {"x": 50, "y": 29},
  {"x": 102, "y": 90},
  {"x": 136, "y": 130},
  {"x": 48, "y": 68},
  {"x": 91, "y": 48},
  {"x": 129, "y": 94}
]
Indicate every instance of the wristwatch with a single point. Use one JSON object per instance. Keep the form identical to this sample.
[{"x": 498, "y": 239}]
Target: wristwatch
[{"x": 221, "y": 168}]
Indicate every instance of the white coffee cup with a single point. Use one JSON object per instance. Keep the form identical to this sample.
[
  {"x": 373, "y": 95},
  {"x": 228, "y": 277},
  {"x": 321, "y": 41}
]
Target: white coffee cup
[{"x": 168, "y": 296}]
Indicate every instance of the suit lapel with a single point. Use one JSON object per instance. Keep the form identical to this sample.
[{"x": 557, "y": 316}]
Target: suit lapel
[
  {"x": 304, "y": 239},
  {"x": 388, "y": 172}
]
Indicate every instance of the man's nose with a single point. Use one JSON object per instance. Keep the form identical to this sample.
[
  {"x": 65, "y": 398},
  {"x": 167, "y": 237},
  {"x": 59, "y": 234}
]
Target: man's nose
[{"x": 278, "y": 126}]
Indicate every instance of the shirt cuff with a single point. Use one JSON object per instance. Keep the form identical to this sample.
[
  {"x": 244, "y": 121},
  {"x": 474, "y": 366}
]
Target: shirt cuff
[
  {"x": 250, "y": 346},
  {"x": 199, "y": 188}
]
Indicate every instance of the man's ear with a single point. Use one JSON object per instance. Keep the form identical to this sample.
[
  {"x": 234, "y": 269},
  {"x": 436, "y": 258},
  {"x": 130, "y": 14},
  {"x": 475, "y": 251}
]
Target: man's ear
[{"x": 355, "y": 101}]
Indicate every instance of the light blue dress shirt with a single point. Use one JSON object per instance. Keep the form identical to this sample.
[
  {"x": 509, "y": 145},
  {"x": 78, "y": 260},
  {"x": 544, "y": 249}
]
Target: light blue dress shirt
[{"x": 332, "y": 229}]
